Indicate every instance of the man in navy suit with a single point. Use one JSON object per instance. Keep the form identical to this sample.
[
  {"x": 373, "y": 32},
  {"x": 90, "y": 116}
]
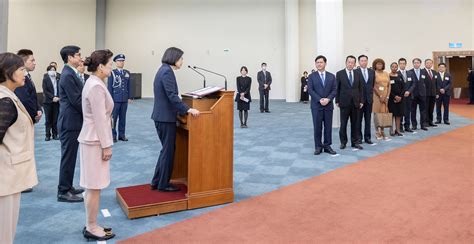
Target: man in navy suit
[
  {"x": 264, "y": 79},
  {"x": 430, "y": 77},
  {"x": 368, "y": 76},
  {"x": 418, "y": 91},
  {"x": 443, "y": 95},
  {"x": 69, "y": 122},
  {"x": 322, "y": 89},
  {"x": 350, "y": 99},
  {"x": 167, "y": 106},
  {"x": 27, "y": 93}
]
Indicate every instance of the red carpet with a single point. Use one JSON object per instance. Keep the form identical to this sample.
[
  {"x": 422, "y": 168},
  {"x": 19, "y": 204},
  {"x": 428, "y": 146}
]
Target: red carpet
[
  {"x": 142, "y": 195},
  {"x": 420, "y": 193},
  {"x": 462, "y": 101}
]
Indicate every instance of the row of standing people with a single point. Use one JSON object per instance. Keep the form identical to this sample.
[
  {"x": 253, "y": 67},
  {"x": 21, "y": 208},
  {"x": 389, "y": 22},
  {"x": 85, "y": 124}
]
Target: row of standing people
[{"x": 362, "y": 92}]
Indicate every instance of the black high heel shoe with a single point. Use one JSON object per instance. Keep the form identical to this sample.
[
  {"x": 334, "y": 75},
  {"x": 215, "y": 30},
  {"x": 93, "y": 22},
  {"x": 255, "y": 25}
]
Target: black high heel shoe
[
  {"x": 106, "y": 229},
  {"x": 89, "y": 236}
]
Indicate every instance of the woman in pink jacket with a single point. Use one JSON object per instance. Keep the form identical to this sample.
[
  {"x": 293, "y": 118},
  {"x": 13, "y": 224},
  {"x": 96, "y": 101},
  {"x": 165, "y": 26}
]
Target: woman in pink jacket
[{"x": 95, "y": 148}]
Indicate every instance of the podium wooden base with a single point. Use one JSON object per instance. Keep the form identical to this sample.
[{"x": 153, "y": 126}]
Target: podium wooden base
[{"x": 140, "y": 201}]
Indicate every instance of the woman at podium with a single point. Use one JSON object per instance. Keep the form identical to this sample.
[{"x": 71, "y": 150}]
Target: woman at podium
[
  {"x": 243, "y": 98},
  {"x": 167, "y": 105}
]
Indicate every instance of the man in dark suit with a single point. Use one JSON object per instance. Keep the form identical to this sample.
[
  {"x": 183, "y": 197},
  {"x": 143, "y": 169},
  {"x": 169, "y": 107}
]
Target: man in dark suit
[
  {"x": 429, "y": 76},
  {"x": 51, "y": 102},
  {"x": 69, "y": 122},
  {"x": 368, "y": 77},
  {"x": 82, "y": 72},
  {"x": 264, "y": 79},
  {"x": 407, "y": 97},
  {"x": 167, "y": 105},
  {"x": 322, "y": 89},
  {"x": 418, "y": 90},
  {"x": 470, "y": 79},
  {"x": 27, "y": 93},
  {"x": 350, "y": 100},
  {"x": 443, "y": 94}
]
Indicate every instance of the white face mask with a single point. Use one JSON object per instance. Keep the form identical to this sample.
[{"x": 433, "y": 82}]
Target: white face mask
[{"x": 52, "y": 73}]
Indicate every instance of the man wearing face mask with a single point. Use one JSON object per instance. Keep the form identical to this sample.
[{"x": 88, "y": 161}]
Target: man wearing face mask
[
  {"x": 264, "y": 79},
  {"x": 51, "y": 102}
]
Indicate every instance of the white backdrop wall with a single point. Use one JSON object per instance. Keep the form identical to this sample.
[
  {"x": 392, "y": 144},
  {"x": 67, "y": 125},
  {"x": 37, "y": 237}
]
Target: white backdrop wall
[{"x": 45, "y": 26}]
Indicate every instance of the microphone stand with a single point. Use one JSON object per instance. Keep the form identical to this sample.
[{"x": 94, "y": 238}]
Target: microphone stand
[
  {"x": 212, "y": 72},
  {"x": 203, "y": 76}
]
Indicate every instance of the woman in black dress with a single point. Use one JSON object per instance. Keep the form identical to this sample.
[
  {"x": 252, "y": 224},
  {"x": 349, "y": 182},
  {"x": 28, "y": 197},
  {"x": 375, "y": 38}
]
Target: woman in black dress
[
  {"x": 395, "y": 103},
  {"x": 243, "y": 96},
  {"x": 304, "y": 88}
]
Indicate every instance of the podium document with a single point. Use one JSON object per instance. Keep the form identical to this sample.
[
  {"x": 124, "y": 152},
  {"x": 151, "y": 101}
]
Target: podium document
[{"x": 203, "y": 162}]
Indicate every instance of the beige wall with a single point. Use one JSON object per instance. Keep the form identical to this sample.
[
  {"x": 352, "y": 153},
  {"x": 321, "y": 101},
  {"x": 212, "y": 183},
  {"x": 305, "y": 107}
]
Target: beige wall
[
  {"x": 307, "y": 35},
  {"x": 386, "y": 28},
  {"x": 252, "y": 30},
  {"x": 45, "y": 26}
]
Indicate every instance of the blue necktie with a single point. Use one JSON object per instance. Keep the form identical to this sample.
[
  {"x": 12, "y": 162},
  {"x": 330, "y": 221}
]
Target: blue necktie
[
  {"x": 417, "y": 74},
  {"x": 322, "y": 79},
  {"x": 350, "y": 77}
]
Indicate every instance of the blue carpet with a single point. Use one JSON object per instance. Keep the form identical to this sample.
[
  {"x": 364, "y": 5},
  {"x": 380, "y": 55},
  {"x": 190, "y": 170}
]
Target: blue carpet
[{"x": 275, "y": 151}]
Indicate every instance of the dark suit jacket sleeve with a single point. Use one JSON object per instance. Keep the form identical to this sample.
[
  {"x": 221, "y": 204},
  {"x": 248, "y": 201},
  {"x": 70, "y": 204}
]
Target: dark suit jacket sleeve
[
  {"x": 361, "y": 88},
  {"x": 247, "y": 91},
  {"x": 260, "y": 78},
  {"x": 48, "y": 94},
  {"x": 411, "y": 89},
  {"x": 110, "y": 82},
  {"x": 73, "y": 92},
  {"x": 169, "y": 84},
  {"x": 311, "y": 89},
  {"x": 269, "y": 78},
  {"x": 333, "y": 93},
  {"x": 448, "y": 84}
]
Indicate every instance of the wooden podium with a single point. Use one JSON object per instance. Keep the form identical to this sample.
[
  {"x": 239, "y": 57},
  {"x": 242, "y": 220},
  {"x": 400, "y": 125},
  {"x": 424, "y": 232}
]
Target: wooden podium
[{"x": 203, "y": 160}]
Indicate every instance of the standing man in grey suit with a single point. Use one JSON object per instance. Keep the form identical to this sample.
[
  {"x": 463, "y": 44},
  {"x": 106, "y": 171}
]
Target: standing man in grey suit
[{"x": 264, "y": 81}]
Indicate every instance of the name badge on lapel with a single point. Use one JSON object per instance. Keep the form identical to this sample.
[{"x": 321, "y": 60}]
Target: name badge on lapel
[
  {"x": 436, "y": 77},
  {"x": 381, "y": 88},
  {"x": 423, "y": 76},
  {"x": 447, "y": 78},
  {"x": 409, "y": 78},
  {"x": 127, "y": 75},
  {"x": 392, "y": 82}
]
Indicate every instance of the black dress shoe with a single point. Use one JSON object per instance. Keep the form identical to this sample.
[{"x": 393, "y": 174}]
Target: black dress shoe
[
  {"x": 342, "y": 146},
  {"x": 115, "y": 140},
  {"x": 329, "y": 150},
  {"x": 413, "y": 128},
  {"x": 69, "y": 197},
  {"x": 368, "y": 141},
  {"x": 432, "y": 125},
  {"x": 408, "y": 130},
  {"x": 153, "y": 187},
  {"x": 267, "y": 111},
  {"x": 261, "y": 111},
  {"x": 47, "y": 139},
  {"x": 447, "y": 123},
  {"x": 402, "y": 130},
  {"x": 424, "y": 128},
  {"x": 123, "y": 138},
  {"x": 438, "y": 122},
  {"x": 76, "y": 191},
  {"x": 27, "y": 190},
  {"x": 357, "y": 146},
  {"x": 169, "y": 188},
  {"x": 89, "y": 236},
  {"x": 318, "y": 151},
  {"x": 55, "y": 137}
]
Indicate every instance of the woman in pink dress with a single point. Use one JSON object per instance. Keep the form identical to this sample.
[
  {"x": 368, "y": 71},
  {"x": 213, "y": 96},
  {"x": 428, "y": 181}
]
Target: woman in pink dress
[{"x": 95, "y": 148}]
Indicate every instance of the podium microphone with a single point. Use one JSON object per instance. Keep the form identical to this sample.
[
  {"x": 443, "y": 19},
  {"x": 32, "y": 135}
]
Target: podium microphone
[
  {"x": 212, "y": 72},
  {"x": 203, "y": 76}
]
